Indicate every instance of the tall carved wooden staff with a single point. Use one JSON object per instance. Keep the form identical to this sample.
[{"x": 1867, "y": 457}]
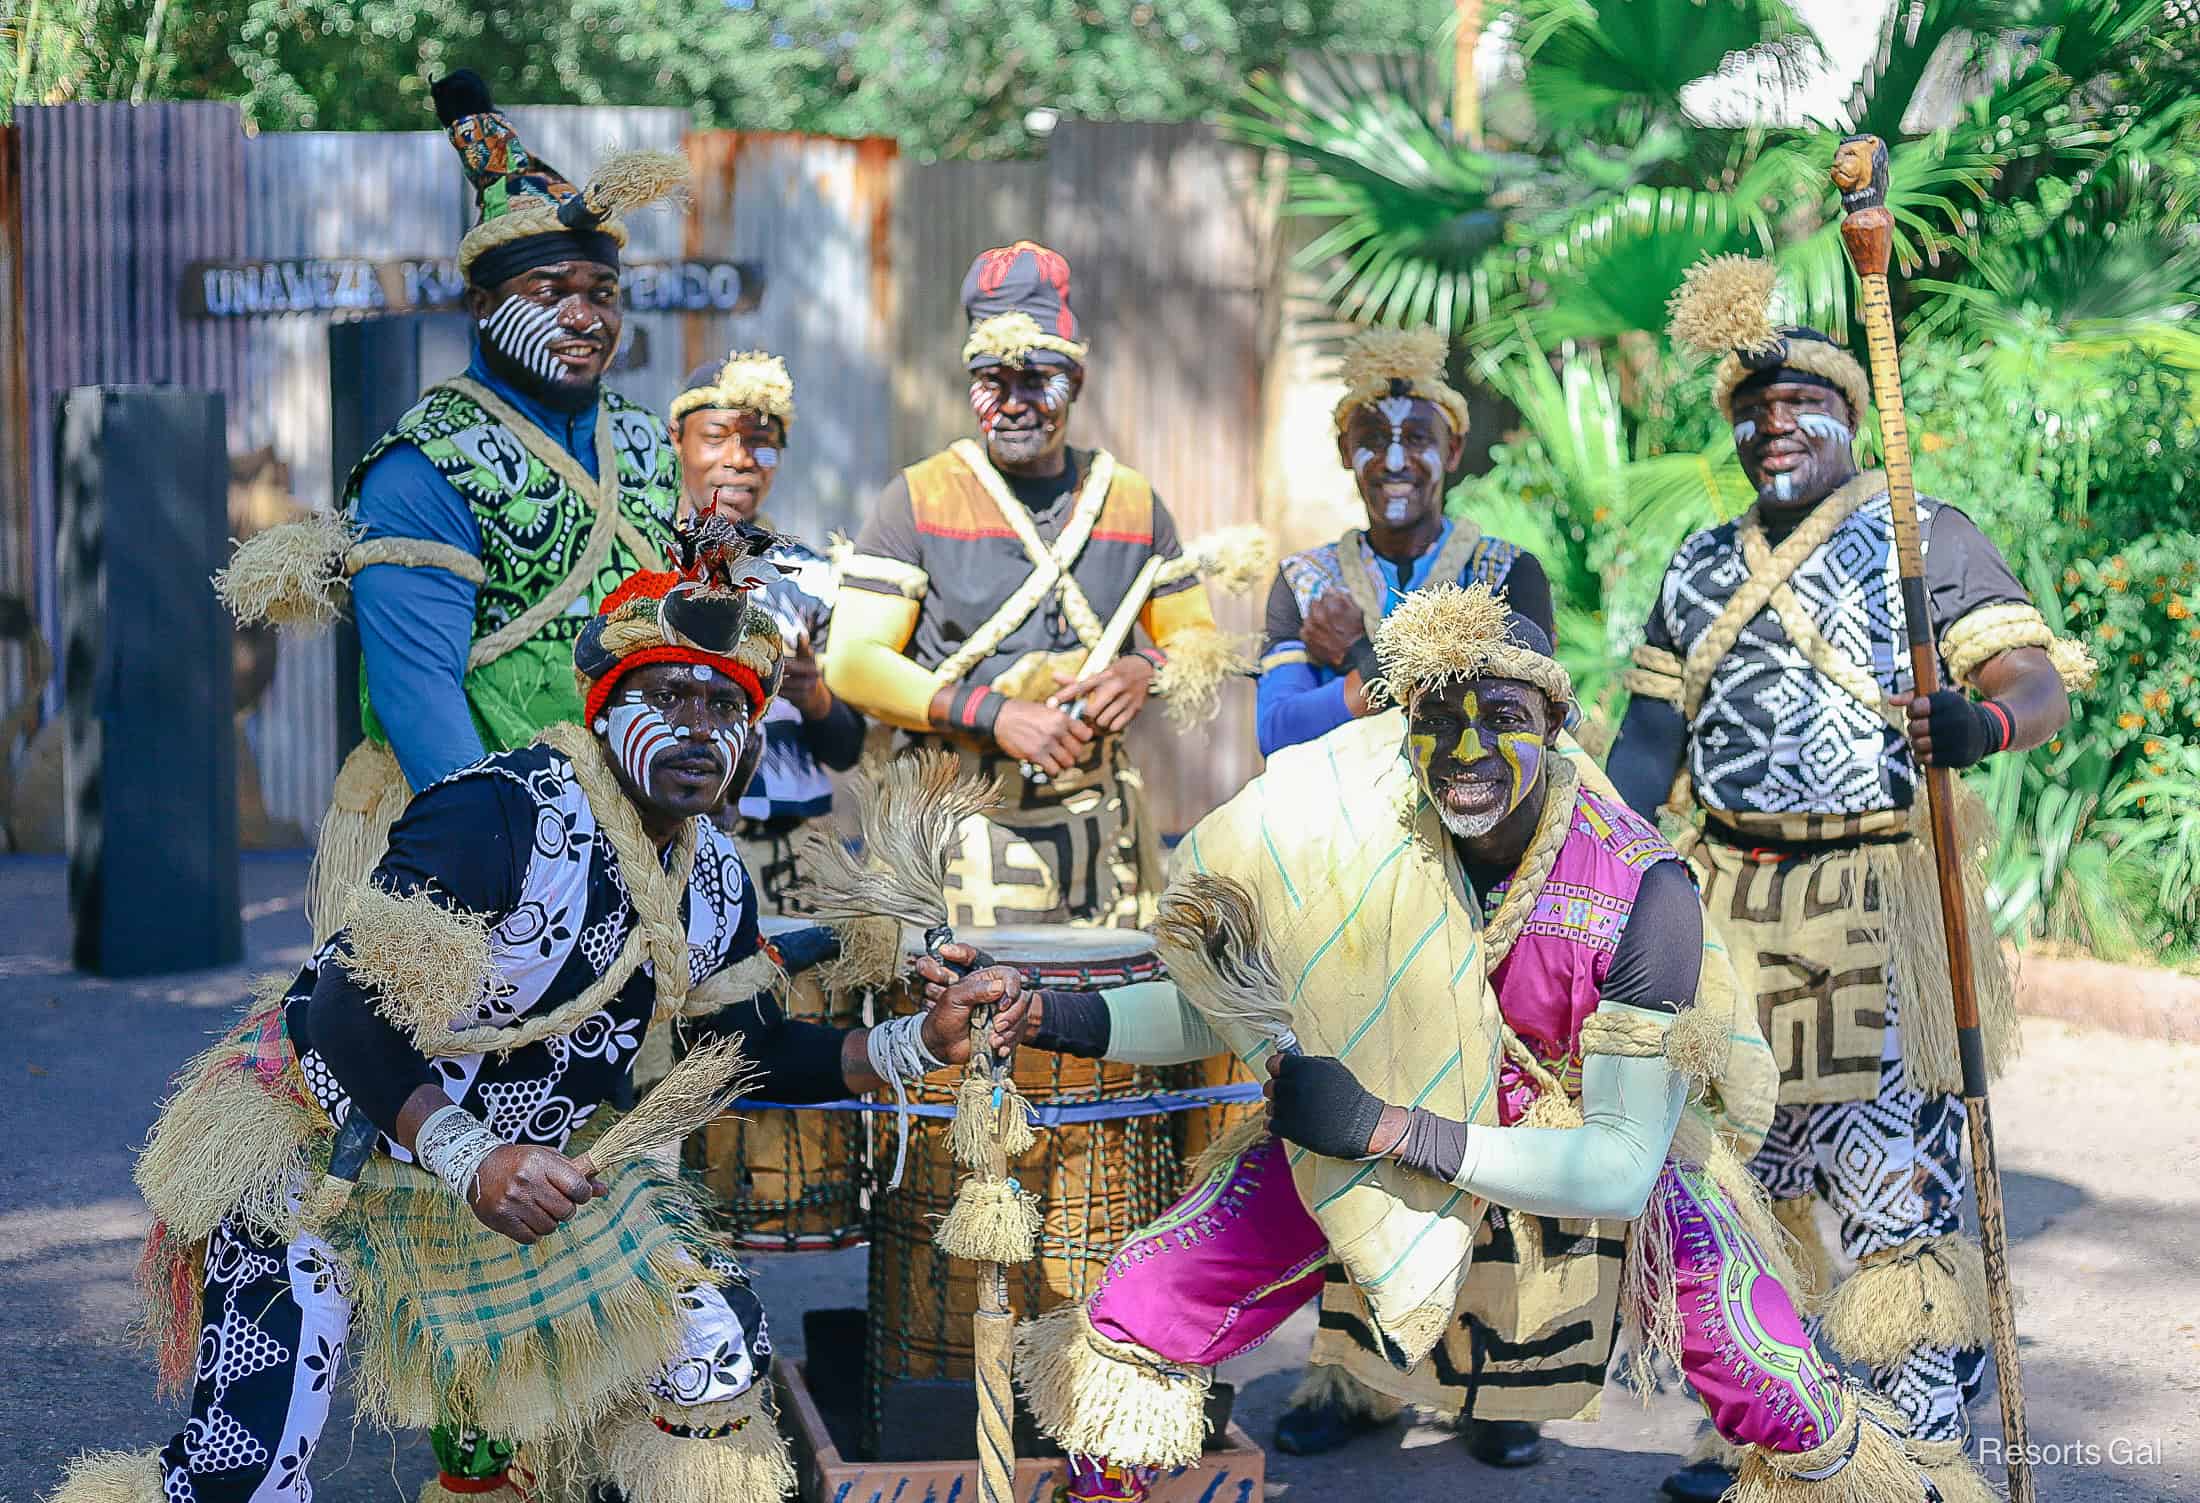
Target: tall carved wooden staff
[{"x": 1867, "y": 230}]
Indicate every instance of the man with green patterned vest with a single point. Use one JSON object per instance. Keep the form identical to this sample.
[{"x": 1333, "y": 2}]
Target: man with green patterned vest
[{"x": 483, "y": 530}]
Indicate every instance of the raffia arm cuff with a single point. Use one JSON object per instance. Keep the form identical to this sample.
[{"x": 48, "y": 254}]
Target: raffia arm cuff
[
  {"x": 1656, "y": 674},
  {"x": 883, "y": 576},
  {"x": 1984, "y": 634},
  {"x": 414, "y": 553}
]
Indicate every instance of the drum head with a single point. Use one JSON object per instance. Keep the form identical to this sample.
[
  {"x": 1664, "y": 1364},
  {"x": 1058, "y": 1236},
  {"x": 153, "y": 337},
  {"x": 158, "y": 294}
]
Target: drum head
[
  {"x": 1025, "y": 944},
  {"x": 1070, "y": 959}
]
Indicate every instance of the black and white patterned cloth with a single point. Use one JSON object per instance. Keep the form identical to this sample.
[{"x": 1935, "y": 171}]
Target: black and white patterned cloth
[
  {"x": 790, "y": 783},
  {"x": 1892, "y": 1169},
  {"x": 1773, "y": 735},
  {"x": 513, "y": 838},
  {"x": 271, "y": 1346}
]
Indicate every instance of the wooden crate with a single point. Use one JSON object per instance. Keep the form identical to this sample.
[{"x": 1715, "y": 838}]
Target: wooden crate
[{"x": 1232, "y": 1472}]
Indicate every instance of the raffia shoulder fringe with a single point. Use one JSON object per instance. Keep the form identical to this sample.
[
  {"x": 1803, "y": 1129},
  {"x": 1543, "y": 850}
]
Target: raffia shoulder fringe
[
  {"x": 369, "y": 795},
  {"x": 1098, "y": 1397},
  {"x": 1231, "y": 558},
  {"x": 1199, "y": 662},
  {"x": 751, "y": 1465},
  {"x": 1656, "y": 674},
  {"x": 1952, "y": 1472},
  {"x": 1862, "y": 1462},
  {"x": 288, "y": 576},
  {"x": 1930, "y": 1293},
  {"x": 1981, "y": 635},
  {"x": 112, "y": 1477},
  {"x": 427, "y": 963},
  {"x": 226, "y": 1143}
]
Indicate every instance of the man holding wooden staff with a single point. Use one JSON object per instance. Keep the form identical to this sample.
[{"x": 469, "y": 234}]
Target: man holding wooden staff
[
  {"x": 1773, "y": 694},
  {"x": 392, "y": 1157},
  {"x": 986, "y": 578}
]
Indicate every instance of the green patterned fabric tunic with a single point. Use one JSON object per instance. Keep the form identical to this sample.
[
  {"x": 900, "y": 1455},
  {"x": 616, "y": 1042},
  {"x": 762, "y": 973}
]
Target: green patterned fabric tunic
[{"x": 534, "y": 531}]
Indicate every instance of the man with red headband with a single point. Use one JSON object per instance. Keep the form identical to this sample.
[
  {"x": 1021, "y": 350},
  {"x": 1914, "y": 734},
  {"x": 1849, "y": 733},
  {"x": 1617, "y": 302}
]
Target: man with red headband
[{"x": 384, "y": 1156}]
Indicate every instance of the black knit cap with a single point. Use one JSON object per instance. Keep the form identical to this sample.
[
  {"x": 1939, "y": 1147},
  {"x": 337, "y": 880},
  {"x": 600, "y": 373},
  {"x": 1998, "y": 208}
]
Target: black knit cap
[{"x": 1024, "y": 279}]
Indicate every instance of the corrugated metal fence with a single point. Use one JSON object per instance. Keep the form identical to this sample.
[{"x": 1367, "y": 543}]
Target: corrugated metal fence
[{"x": 102, "y": 206}]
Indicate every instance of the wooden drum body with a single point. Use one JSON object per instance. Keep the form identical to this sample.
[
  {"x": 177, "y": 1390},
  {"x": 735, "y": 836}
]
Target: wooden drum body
[
  {"x": 793, "y": 1179},
  {"x": 1097, "y": 1181}
]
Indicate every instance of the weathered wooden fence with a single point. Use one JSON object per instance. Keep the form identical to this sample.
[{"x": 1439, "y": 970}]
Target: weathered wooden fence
[{"x": 1170, "y": 234}]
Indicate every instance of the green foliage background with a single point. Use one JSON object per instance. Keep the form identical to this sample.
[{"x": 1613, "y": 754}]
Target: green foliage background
[{"x": 943, "y": 77}]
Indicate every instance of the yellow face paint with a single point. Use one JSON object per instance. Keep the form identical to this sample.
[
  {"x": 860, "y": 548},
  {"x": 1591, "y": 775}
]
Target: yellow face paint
[{"x": 1519, "y": 752}]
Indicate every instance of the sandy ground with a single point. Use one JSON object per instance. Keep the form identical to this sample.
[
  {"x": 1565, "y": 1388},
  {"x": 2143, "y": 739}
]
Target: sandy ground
[{"x": 2100, "y": 1142}]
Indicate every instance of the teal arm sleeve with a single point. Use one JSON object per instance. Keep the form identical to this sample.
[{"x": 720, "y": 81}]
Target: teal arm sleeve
[
  {"x": 1150, "y": 1023},
  {"x": 1601, "y": 1170}
]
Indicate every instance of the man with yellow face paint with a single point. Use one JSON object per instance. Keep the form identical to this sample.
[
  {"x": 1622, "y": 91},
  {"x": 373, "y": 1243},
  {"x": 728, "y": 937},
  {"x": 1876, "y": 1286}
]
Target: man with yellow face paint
[{"x": 1496, "y": 990}]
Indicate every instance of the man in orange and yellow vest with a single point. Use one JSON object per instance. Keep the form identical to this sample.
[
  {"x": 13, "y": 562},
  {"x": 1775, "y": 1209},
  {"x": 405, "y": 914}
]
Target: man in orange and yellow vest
[{"x": 978, "y": 588}]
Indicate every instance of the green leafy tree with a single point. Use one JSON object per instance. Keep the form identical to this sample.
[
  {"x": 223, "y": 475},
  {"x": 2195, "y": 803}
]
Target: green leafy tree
[{"x": 943, "y": 77}]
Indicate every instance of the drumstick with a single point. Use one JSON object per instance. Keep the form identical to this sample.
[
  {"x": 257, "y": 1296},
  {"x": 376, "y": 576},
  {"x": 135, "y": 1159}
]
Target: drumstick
[
  {"x": 1237, "y": 558},
  {"x": 1112, "y": 638}
]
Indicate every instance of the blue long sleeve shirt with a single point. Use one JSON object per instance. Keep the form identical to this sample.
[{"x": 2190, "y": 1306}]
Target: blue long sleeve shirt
[
  {"x": 1299, "y": 699},
  {"x": 416, "y": 625}
]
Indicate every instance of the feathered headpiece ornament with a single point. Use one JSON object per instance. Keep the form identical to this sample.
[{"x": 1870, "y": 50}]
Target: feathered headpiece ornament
[
  {"x": 1449, "y": 634},
  {"x": 530, "y": 214},
  {"x": 696, "y": 612},
  {"x": 749, "y": 381},
  {"x": 1381, "y": 363},
  {"x": 1723, "y": 307}
]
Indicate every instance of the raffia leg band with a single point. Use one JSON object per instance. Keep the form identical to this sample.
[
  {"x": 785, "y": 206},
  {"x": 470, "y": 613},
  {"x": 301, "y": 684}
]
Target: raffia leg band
[
  {"x": 1862, "y": 1462},
  {"x": 1327, "y": 1383},
  {"x": 1952, "y": 1472},
  {"x": 728, "y": 1452},
  {"x": 111, "y": 1477},
  {"x": 1098, "y": 1397},
  {"x": 1930, "y": 1293}
]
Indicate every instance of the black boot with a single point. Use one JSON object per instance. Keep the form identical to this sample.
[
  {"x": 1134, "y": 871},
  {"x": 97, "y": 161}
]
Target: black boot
[
  {"x": 1504, "y": 1443},
  {"x": 1309, "y": 1429},
  {"x": 1699, "y": 1482}
]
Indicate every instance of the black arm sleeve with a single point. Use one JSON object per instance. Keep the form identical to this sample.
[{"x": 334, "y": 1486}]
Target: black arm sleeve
[
  {"x": 466, "y": 843},
  {"x": 1964, "y": 570},
  {"x": 1660, "y": 954},
  {"x": 889, "y": 532},
  {"x": 800, "y": 1060},
  {"x": 837, "y": 739},
  {"x": 1647, "y": 753},
  {"x": 1073, "y": 1023},
  {"x": 1528, "y": 591},
  {"x": 1282, "y": 622},
  {"x": 1168, "y": 544}
]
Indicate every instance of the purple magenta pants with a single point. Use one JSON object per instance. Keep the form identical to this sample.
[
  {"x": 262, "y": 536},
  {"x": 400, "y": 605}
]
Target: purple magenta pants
[{"x": 1226, "y": 1264}]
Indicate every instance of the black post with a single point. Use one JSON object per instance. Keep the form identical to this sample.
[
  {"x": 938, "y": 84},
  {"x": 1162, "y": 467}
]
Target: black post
[
  {"x": 373, "y": 377},
  {"x": 150, "y": 764}
]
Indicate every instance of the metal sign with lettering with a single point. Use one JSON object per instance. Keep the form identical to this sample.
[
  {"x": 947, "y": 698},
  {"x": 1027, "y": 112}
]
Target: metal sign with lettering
[{"x": 355, "y": 286}]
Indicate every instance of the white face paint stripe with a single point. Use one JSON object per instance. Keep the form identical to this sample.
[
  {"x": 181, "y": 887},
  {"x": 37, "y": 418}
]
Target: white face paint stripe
[
  {"x": 639, "y": 734},
  {"x": 1825, "y": 425},
  {"x": 766, "y": 457},
  {"x": 1744, "y": 431},
  {"x": 524, "y": 330}
]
